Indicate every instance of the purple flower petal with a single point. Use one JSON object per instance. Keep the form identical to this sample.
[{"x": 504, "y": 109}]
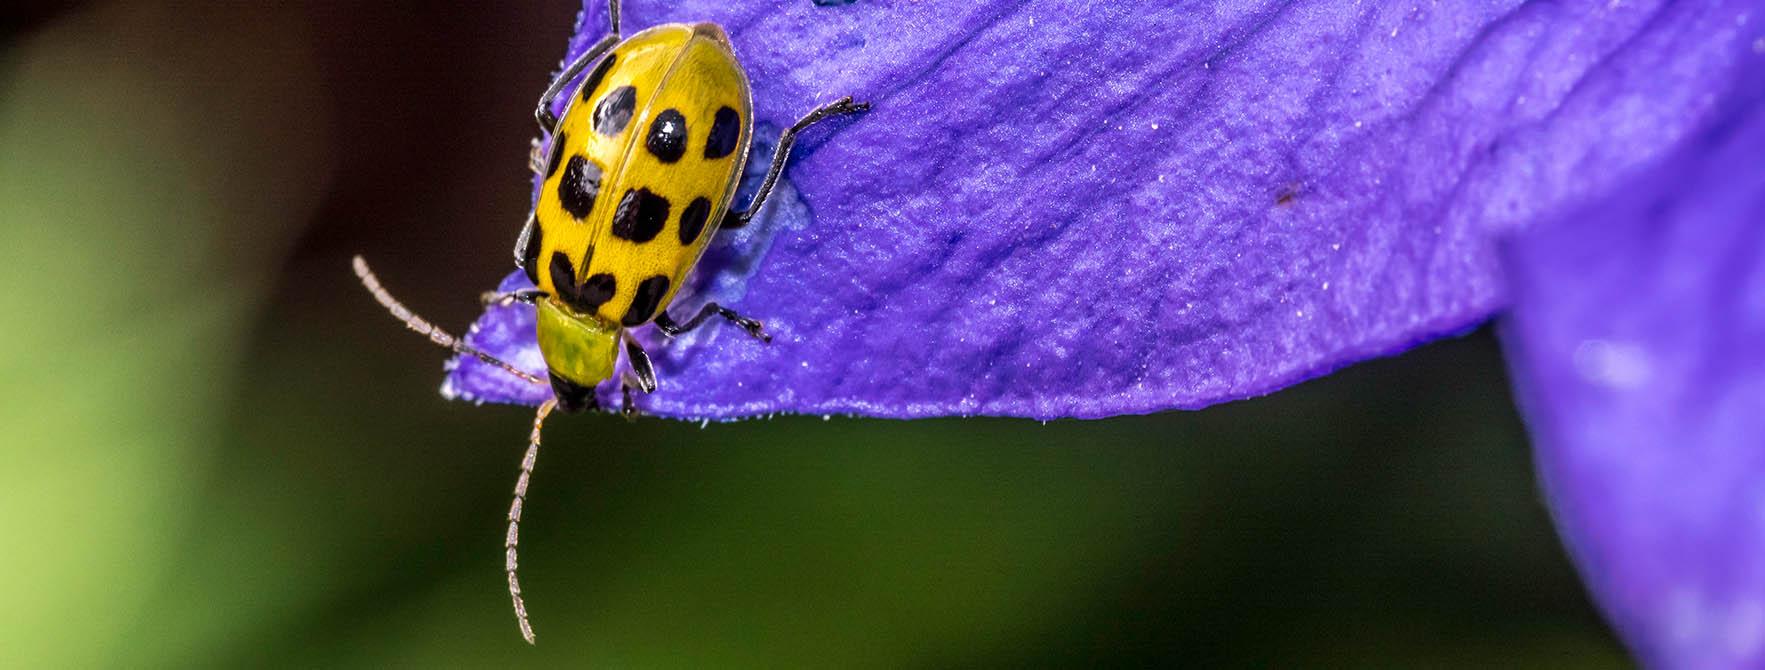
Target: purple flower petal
[
  {"x": 1133, "y": 207},
  {"x": 1637, "y": 340},
  {"x": 507, "y": 332}
]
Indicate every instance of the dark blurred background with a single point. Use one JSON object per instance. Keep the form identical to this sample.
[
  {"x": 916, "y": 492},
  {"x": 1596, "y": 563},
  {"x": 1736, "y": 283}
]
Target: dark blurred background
[{"x": 219, "y": 452}]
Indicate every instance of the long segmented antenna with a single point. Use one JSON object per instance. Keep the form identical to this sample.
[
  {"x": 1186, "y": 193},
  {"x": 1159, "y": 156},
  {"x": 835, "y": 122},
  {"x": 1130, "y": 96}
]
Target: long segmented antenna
[
  {"x": 514, "y": 536},
  {"x": 426, "y": 329}
]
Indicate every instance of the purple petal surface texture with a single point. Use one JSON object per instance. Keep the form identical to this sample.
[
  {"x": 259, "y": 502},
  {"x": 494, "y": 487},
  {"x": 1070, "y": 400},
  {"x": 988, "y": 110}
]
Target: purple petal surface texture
[
  {"x": 1637, "y": 342},
  {"x": 1065, "y": 209}
]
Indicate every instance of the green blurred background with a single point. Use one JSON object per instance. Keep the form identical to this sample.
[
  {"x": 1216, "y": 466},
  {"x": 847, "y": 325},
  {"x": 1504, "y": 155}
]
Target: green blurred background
[{"x": 218, "y": 451}]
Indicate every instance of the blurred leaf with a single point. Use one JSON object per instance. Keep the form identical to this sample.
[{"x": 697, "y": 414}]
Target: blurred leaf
[{"x": 130, "y": 157}]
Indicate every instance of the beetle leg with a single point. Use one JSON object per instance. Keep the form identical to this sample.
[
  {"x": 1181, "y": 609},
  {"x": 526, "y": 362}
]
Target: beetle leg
[
  {"x": 521, "y": 244},
  {"x": 548, "y": 121},
  {"x": 669, "y": 327},
  {"x": 643, "y": 371},
  {"x": 641, "y": 374},
  {"x": 536, "y": 156},
  {"x": 626, "y": 408},
  {"x": 543, "y": 113},
  {"x": 734, "y": 219},
  {"x": 526, "y": 296}
]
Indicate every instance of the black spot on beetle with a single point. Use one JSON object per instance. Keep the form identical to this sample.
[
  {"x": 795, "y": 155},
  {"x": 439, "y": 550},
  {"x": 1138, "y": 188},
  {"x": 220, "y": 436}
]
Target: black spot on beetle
[
  {"x": 667, "y": 140},
  {"x": 579, "y": 186},
  {"x": 692, "y": 219},
  {"x": 614, "y": 111},
  {"x": 594, "y": 78},
  {"x": 559, "y": 141},
  {"x": 640, "y": 216},
  {"x": 563, "y": 275},
  {"x": 644, "y": 304},
  {"x": 587, "y": 296},
  {"x": 596, "y": 291},
  {"x": 726, "y": 131}
]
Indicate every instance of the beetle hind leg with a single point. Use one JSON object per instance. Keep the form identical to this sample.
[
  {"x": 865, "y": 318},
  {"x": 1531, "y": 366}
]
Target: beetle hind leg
[
  {"x": 734, "y": 219},
  {"x": 669, "y": 327}
]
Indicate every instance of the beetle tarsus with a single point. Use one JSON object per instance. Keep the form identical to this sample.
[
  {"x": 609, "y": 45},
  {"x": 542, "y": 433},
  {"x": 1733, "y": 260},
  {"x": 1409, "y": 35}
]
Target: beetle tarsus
[{"x": 626, "y": 409}]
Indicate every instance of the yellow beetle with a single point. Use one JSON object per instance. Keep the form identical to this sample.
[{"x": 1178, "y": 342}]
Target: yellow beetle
[{"x": 639, "y": 174}]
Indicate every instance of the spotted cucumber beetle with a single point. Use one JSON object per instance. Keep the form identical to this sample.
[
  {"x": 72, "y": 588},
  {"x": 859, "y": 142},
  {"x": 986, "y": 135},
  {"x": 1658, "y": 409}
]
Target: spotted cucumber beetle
[{"x": 641, "y": 172}]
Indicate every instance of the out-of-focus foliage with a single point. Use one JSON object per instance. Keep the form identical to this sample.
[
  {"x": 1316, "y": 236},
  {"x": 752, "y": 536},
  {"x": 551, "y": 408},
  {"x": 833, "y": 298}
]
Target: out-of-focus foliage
[{"x": 139, "y": 208}]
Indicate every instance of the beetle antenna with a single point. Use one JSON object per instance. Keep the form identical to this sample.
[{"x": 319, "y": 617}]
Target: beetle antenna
[
  {"x": 426, "y": 329},
  {"x": 514, "y": 535}
]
